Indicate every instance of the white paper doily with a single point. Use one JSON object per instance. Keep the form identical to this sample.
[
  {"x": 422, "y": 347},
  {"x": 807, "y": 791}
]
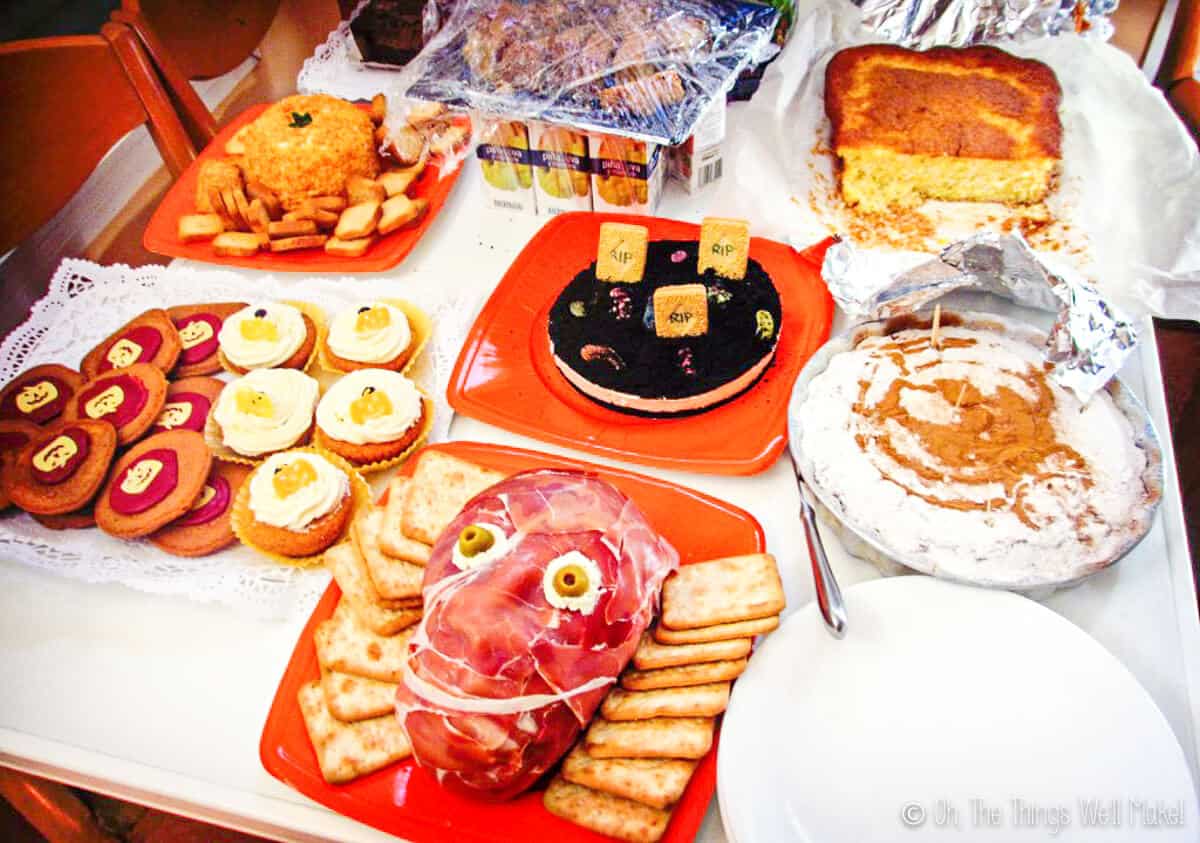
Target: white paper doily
[
  {"x": 87, "y": 302},
  {"x": 336, "y": 68}
]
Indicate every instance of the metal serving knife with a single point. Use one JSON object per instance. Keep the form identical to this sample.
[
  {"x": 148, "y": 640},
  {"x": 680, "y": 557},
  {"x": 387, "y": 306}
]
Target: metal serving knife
[{"x": 829, "y": 594}]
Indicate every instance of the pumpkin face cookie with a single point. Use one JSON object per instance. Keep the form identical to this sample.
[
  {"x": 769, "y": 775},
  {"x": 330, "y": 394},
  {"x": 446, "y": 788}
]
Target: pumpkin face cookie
[
  {"x": 296, "y": 503},
  {"x": 130, "y": 399},
  {"x": 188, "y": 403},
  {"x": 61, "y": 469},
  {"x": 154, "y": 483},
  {"x": 268, "y": 335},
  {"x": 205, "y": 528},
  {"x": 40, "y": 394},
  {"x": 199, "y": 326},
  {"x": 370, "y": 415},
  {"x": 150, "y": 338},
  {"x": 14, "y": 435},
  {"x": 372, "y": 336},
  {"x": 265, "y": 411}
]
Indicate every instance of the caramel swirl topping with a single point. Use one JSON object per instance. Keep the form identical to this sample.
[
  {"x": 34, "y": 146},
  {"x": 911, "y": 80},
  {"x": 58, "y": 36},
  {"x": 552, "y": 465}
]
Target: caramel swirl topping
[{"x": 962, "y": 435}]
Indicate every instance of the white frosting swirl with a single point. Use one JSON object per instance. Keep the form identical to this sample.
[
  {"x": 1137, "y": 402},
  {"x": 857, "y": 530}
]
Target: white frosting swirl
[
  {"x": 304, "y": 505},
  {"x": 335, "y": 413},
  {"x": 377, "y": 345},
  {"x": 290, "y": 333},
  {"x": 272, "y": 427}
]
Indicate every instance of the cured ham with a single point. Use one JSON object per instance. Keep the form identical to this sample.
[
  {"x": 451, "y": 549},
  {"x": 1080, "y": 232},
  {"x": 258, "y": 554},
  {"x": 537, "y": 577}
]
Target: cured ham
[{"x": 535, "y": 598}]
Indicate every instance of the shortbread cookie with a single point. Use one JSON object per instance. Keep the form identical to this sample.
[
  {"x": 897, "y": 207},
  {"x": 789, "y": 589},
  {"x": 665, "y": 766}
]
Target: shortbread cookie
[
  {"x": 62, "y": 468},
  {"x": 199, "y": 325},
  {"x": 130, "y": 399},
  {"x": 149, "y": 338},
  {"x": 153, "y": 483},
  {"x": 188, "y": 403},
  {"x": 40, "y": 394},
  {"x": 205, "y": 528}
]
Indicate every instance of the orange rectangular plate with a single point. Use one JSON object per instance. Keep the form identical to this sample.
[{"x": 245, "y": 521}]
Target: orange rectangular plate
[
  {"x": 506, "y": 375},
  {"x": 162, "y": 238},
  {"x": 403, "y": 799}
]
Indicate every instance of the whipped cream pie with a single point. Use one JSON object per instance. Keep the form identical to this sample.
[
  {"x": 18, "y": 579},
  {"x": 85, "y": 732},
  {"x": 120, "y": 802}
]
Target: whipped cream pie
[
  {"x": 266, "y": 410},
  {"x": 965, "y": 453}
]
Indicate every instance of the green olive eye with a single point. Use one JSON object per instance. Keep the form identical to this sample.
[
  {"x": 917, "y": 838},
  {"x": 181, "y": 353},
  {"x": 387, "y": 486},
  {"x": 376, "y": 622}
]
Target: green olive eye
[
  {"x": 474, "y": 540},
  {"x": 571, "y": 581}
]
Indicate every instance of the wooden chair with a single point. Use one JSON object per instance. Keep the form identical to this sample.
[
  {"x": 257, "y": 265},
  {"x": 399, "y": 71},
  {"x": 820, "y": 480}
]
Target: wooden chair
[
  {"x": 1181, "y": 60},
  {"x": 67, "y": 101},
  {"x": 196, "y": 39}
]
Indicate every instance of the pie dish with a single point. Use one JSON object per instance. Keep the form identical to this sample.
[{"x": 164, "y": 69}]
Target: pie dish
[{"x": 963, "y": 458}]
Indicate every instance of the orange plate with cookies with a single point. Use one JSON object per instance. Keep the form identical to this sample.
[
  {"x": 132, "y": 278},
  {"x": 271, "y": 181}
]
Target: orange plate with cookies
[
  {"x": 403, "y": 799},
  {"x": 506, "y": 374},
  {"x": 161, "y": 235}
]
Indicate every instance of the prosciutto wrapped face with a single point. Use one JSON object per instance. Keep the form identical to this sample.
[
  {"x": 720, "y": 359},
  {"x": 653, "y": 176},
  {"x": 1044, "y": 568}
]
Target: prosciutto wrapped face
[{"x": 535, "y": 598}]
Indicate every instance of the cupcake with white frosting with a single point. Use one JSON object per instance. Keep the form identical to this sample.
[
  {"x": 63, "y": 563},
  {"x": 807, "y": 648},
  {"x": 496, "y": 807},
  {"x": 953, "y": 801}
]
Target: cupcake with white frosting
[
  {"x": 262, "y": 412},
  {"x": 371, "y": 417},
  {"x": 296, "y": 503},
  {"x": 372, "y": 335},
  {"x": 267, "y": 335}
]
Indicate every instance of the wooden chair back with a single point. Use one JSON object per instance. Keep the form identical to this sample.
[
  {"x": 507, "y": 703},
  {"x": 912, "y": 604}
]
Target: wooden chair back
[
  {"x": 197, "y": 39},
  {"x": 1180, "y": 63},
  {"x": 67, "y": 101}
]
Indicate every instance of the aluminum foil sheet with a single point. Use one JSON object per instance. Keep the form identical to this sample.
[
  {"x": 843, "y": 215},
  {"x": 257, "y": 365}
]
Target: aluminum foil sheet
[
  {"x": 960, "y": 23},
  {"x": 1090, "y": 339}
]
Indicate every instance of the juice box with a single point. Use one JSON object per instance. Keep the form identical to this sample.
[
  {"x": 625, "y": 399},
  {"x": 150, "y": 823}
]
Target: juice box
[
  {"x": 627, "y": 175},
  {"x": 503, "y": 153},
  {"x": 561, "y": 168}
]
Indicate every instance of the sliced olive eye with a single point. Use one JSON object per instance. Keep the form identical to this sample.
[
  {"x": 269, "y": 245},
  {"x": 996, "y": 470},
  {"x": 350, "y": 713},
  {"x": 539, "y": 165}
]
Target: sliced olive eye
[
  {"x": 260, "y": 313},
  {"x": 474, "y": 540},
  {"x": 571, "y": 581},
  {"x": 363, "y": 309}
]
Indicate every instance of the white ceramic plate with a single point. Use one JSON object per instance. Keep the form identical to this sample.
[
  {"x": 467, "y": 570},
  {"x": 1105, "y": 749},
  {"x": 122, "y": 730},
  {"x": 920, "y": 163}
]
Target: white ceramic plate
[{"x": 946, "y": 707}]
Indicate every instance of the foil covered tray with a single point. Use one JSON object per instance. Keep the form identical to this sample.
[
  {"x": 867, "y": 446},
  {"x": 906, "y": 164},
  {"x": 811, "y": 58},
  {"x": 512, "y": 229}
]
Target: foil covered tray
[{"x": 868, "y": 541}]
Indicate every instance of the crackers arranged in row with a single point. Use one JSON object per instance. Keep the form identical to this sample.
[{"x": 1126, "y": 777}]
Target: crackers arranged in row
[{"x": 635, "y": 760}]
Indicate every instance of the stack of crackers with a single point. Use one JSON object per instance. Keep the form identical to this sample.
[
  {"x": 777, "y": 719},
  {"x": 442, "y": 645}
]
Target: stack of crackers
[
  {"x": 350, "y": 711},
  {"x": 635, "y": 760}
]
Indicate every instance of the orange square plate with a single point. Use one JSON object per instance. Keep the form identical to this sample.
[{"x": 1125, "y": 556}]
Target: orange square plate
[
  {"x": 387, "y": 251},
  {"x": 405, "y": 800},
  {"x": 506, "y": 375}
]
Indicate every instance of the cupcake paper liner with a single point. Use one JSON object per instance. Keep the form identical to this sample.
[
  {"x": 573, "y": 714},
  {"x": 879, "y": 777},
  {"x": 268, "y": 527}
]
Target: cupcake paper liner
[
  {"x": 222, "y": 452},
  {"x": 360, "y": 499},
  {"x": 418, "y": 321}
]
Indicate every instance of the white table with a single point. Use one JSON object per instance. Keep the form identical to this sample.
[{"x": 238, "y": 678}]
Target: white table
[{"x": 161, "y": 701}]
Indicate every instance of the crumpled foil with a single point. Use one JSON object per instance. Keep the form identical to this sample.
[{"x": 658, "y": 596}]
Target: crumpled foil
[
  {"x": 1087, "y": 345},
  {"x": 959, "y": 23}
]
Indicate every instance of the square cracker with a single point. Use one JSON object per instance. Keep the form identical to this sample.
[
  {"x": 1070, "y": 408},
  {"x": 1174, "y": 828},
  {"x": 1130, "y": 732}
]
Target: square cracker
[
  {"x": 659, "y": 737},
  {"x": 350, "y": 571},
  {"x": 651, "y": 655},
  {"x": 345, "y": 645},
  {"x": 720, "y": 632},
  {"x": 441, "y": 486},
  {"x": 657, "y": 782},
  {"x": 621, "y": 252},
  {"x": 346, "y": 751},
  {"x": 737, "y": 588},
  {"x": 392, "y": 579},
  {"x": 392, "y": 540},
  {"x": 351, "y": 698},
  {"x": 682, "y": 676},
  {"x": 692, "y": 701},
  {"x": 604, "y": 813},
  {"x": 724, "y": 247}
]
